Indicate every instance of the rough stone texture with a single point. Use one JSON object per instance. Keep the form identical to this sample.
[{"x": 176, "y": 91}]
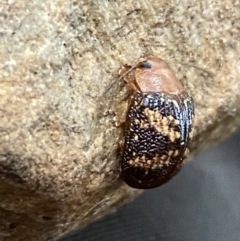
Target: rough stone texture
[{"x": 58, "y": 144}]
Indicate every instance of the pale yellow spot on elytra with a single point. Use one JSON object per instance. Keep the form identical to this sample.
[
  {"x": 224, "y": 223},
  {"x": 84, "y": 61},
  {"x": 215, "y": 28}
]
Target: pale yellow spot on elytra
[
  {"x": 160, "y": 165},
  {"x": 176, "y": 153},
  {"x": 163, "y": 157},
  {"x": 177, "y": 133},
  {"x": 167, "y": 162},
  {"x": 136, "y": 137},
  {"x": 136, "y": 121},
  {"x": 136, "y": 160},
  {"x": 176, "y": 122},
  {"x": 175, "y": 103}
]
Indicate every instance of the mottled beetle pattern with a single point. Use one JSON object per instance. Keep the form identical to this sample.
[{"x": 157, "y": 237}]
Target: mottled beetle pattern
[{"x": 158, "y": 125}]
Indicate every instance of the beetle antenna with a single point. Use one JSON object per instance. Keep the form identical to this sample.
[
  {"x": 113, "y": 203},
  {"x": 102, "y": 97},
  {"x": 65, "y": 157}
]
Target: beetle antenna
[
  {"x": 124, "y": 74},
  {"x": 196, "y": 67}
]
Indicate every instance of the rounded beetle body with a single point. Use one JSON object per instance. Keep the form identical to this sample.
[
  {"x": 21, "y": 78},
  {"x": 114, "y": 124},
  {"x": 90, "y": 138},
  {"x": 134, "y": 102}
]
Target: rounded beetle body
[{"x": 158, "y": 125}]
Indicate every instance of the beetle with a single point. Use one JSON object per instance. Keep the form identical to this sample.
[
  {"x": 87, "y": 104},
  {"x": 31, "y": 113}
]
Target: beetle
[{"x": 158, "y": 125}]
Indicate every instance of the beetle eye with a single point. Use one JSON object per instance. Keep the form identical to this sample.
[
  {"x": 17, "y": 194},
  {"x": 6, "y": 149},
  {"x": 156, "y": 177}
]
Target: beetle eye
[{"x": 146, "y": 65}]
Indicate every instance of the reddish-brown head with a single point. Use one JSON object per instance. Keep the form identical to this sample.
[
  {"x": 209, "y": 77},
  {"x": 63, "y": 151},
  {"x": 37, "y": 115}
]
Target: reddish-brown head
[{"x": 153, "y": 75}]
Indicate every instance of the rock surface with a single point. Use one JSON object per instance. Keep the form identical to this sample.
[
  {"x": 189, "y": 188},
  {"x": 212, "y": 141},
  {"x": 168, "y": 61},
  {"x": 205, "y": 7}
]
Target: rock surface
[{"x": 59, "y": 155}]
